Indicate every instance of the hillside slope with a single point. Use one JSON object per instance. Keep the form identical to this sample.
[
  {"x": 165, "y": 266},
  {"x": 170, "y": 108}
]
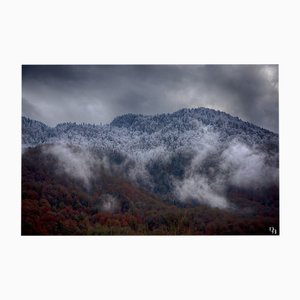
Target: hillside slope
[{"x": 188, "y": 160}]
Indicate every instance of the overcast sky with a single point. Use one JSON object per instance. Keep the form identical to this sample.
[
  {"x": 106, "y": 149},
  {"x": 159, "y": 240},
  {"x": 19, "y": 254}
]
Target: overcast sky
[{"x": 96, "y": 94}]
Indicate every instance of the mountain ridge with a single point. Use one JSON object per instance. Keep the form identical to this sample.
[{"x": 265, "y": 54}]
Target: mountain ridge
[
  {"x": 168, "y": 129},
  {"x": 176, "y": 113}
]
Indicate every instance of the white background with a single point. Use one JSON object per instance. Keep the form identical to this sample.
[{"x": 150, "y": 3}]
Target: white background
[{"x": 96, "y": 32}]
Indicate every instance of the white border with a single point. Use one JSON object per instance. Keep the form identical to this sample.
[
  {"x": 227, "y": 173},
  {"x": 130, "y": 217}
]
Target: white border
[{"x": 70, "y": 32}]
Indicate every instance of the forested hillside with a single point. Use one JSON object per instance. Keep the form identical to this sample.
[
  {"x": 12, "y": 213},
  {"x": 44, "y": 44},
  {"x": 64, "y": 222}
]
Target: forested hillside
[{"x": 196, "y": 171}]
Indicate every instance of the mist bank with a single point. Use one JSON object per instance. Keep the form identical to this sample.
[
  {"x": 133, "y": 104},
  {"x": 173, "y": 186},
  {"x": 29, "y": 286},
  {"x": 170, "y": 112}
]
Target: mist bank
[{"x": 201, "y": 175}]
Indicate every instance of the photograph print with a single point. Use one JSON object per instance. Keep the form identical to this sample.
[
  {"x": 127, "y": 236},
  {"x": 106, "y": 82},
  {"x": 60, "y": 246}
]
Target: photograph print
[{"x": 150, "y": 150}]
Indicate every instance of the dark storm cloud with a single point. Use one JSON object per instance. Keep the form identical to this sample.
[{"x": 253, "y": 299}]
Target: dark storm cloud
[{"x": 95, "y": 94}]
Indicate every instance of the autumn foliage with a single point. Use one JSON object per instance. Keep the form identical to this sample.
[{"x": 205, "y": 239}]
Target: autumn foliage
[{"x": 56, "y": 204}]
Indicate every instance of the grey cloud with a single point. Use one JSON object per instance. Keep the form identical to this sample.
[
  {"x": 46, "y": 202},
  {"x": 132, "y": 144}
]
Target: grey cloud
[
  {"x": 77, "y": 164},
  {"x": 247, "y": 166},
  {"x": 86, "y": 93},
  {"x": 199, "y": 187},
  {"x": 109, "y": 203}
]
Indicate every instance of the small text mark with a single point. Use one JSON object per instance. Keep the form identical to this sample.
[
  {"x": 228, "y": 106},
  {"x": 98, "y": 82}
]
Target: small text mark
[{"x": 273, "y": 230}]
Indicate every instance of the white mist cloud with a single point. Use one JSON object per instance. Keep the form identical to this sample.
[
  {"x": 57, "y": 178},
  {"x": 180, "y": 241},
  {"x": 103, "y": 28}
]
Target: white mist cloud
[
  {"x": 247, "y": 166},
  {"x": 198, "y": 188},
  {"x": 75, "y": 162},
  {"x": 109, "y": 203},
  {"x": 142, "y": 158},
  {"x": 235, "y": 164}
]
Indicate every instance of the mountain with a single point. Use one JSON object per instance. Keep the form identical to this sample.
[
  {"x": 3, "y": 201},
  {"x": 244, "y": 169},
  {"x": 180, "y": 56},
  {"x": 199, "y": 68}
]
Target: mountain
[
  {"x": 175, "y": 165},
  {"x": 142, "y": 132}
]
